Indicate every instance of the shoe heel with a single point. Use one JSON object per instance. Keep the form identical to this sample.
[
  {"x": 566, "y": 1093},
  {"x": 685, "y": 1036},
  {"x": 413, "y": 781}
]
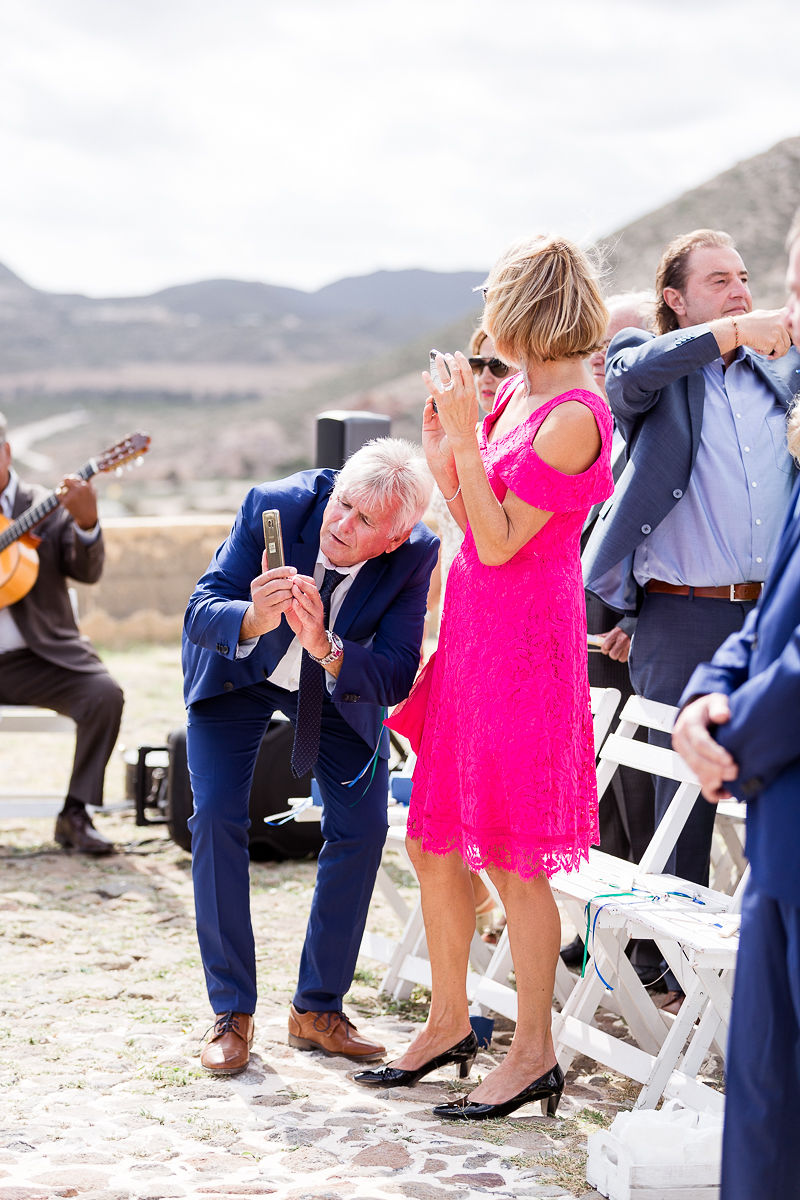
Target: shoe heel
[
  {"x": 465, "y": 1066},
  {"x": 301, "y": 1043},
  {"x": 550, "y": 1104}
]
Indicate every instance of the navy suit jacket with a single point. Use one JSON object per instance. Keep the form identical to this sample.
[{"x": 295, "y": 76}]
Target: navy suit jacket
[
  {"x": 759, "y": 669},
  {"x": 380, "y": 621},
  {"x": 656, "y": 391}
]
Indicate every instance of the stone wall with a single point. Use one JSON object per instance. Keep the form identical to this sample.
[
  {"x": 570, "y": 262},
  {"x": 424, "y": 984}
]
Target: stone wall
[{"x": 152, "y": 565}]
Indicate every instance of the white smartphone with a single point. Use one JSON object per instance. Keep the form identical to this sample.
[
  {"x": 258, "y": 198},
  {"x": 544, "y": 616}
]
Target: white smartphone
[{"x": 436, "y": 374}]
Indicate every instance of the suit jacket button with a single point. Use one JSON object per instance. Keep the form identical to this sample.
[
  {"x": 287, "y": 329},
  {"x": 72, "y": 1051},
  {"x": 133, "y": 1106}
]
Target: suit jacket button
[
  {"x": 222, "y": 647},
  {"x": 677, "y": 493},
  {"x": 647, "y": 529},
  {"x": 228, "y": 686},
  {"x": 753, "y": 786}
]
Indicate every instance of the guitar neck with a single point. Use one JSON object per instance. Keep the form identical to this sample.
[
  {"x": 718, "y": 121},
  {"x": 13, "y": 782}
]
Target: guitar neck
[{"x": 32, "y": 516}]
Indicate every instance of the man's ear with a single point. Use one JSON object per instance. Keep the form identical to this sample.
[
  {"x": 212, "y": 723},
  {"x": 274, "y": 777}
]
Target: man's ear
[
  {"x": 398, "y": 540},
  {"x": 674, "y": 300}
]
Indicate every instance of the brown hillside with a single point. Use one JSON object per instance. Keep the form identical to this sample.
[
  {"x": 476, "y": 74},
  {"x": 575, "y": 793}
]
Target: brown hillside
[{"x": 753, "y": 201}]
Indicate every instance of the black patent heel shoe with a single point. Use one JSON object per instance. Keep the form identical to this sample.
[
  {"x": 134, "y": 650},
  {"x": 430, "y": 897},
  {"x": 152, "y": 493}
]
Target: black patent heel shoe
[
  {"x": 462, "y": 1054},
  {"x": 547, "y": 1088}
]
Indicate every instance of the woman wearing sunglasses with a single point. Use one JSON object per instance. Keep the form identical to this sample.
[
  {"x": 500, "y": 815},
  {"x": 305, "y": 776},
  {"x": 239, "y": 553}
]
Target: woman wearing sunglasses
[
  {"x": 488, "y": 369},
  {"x": 505, "y": 775}
]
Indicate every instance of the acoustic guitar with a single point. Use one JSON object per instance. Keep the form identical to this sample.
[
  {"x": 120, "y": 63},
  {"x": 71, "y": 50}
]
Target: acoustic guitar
[{"x": 19, "y": 562}]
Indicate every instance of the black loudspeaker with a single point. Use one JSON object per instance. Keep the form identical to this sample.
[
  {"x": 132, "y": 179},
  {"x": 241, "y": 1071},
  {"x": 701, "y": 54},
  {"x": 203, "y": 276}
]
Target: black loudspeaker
[
  {"x": 341, "y": 433},
  {"x": 273, "y": 784}
]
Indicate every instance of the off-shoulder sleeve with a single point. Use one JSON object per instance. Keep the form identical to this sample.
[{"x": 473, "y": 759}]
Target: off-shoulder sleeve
[{"x": 536, "y": 482}]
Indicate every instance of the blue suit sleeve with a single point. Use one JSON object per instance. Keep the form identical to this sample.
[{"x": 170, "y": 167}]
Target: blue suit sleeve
[
  {"x": 640, "y": 365},
  {"x": 759, "y": 735},
  {"x": 221, "y": 598},
  {"x": 762, "y": 734}
]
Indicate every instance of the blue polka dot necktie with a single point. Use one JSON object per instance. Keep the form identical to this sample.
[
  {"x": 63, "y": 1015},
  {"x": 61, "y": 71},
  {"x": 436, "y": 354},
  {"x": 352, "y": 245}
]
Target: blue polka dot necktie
[{"x": 305, "y": 750}]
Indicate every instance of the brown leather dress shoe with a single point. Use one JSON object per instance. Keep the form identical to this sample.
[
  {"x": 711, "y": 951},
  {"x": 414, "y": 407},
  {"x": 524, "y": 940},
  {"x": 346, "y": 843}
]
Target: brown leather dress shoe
[
  {"x": 75, "y": 831},
  {"x": 227, "y": 1051},
  {"x": 332, "y": 1033}
]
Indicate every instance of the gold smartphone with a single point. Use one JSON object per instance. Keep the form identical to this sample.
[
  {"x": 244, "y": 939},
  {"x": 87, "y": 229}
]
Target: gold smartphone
[{"x": 273, "y": 538}]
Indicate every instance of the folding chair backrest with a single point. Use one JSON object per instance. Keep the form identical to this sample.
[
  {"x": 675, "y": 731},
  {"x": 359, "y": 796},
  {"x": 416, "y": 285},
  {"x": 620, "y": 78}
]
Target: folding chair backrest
[
  {"x": 604, "y": 702},
  {"x": 622, "y": 749}
]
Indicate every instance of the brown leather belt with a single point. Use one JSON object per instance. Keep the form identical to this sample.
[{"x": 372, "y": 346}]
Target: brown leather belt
[{"x": 733, "y": 592}]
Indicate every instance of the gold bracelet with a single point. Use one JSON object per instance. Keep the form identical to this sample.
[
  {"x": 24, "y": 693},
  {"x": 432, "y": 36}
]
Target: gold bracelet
[
  {"x": 450, "y": 499},
  {"x": 736, "y": 331}
]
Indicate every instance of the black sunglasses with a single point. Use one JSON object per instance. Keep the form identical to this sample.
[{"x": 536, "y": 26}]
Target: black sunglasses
[{"x": 496, "y": 365}]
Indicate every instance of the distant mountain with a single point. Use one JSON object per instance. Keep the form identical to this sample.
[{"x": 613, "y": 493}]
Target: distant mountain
[
  {"x": 754, "y": 202},
  {"x": 229, "y": 375},
  {"x": 226, "y": 321}
]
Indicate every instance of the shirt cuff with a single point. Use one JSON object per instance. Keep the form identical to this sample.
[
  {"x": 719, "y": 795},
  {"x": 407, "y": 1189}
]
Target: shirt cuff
[
  {"x": 88, "y": 535},
  {"x": 245, "y": 649}
]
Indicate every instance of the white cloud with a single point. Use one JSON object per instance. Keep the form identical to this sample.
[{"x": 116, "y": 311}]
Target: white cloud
[{"x": 152, "y": 143}]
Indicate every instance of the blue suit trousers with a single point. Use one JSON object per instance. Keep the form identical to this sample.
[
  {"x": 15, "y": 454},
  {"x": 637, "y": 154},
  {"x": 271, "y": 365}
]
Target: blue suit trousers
[
  {"x": 223, "y": 737},
  {"x": 760, "y": 1157}
]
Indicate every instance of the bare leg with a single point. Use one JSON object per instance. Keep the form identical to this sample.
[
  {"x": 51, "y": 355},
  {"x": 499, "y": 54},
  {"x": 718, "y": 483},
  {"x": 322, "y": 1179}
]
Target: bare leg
[
  {"x": 448, "y": 909},
  {"x": 480, "y": 893},
  {"x": 534, "y": 930}
]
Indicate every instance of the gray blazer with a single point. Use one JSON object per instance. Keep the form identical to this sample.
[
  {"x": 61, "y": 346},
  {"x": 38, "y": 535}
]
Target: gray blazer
[{"x": 656, "y": 391}]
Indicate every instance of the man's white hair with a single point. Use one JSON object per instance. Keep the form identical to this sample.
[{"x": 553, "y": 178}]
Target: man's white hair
[
  {"x": 389, "y": 475},
  {"x": 643, "y": 304}
]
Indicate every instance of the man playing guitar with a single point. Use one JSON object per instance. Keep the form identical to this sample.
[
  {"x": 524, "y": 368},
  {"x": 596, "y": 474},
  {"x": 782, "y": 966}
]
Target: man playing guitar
[{"x": 43, "y": 658}]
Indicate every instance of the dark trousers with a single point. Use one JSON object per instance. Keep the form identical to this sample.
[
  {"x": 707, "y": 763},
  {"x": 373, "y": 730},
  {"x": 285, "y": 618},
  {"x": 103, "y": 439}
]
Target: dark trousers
[
  {"x": 223, "y": 737},
  {"x": 759, "y": 1150},
  {"x": 674, "y": 634},
  {"x": 627, "y": 813},
  {"x": 91, "y": 698}
]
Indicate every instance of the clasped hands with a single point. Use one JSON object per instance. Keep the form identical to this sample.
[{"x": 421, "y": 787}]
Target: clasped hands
[
  {"x": 283, "y": 591},
  {"x": 692, "y": 739}
]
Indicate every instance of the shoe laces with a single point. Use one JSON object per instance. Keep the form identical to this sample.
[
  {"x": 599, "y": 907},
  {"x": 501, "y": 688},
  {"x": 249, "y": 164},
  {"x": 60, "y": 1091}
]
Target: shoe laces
[
  {"x": 329, "y": 1020},
  {"x": 226, "y": 1023}
]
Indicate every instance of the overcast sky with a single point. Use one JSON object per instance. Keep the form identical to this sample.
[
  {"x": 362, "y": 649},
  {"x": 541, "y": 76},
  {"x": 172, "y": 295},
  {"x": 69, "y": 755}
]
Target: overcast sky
[{"x": 150, "y": 142}]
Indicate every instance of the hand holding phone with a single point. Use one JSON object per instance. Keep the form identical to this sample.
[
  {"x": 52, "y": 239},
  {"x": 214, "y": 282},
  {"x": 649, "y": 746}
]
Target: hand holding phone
[{"x": 442, "y": 378}]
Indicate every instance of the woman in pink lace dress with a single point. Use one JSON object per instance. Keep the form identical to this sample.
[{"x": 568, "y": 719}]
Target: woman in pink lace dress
[{"x": 505, "y": 776}]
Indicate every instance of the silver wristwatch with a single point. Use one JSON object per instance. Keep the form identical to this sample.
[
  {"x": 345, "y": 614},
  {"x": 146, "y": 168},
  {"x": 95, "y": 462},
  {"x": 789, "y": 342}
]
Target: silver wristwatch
[{"x": 336, "y": 650}]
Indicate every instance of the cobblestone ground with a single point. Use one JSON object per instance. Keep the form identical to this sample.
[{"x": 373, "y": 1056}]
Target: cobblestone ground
[{"x": 103, "y": 1012}]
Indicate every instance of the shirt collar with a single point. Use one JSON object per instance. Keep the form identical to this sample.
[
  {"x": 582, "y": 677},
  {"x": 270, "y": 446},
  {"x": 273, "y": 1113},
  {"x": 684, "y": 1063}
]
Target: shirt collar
[
  {"x": 9, "y": 496},
  {"x": 329, "y": 566}
]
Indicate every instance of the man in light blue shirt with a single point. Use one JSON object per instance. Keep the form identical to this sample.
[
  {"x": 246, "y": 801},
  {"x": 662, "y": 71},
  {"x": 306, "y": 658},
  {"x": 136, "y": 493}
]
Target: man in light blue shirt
[{"x": 687, "y": 539}]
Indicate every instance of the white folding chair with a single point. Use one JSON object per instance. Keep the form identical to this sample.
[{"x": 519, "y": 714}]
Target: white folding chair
[
  {"x": 693, "y": 926},
  {"x": 407, "y": 959}
]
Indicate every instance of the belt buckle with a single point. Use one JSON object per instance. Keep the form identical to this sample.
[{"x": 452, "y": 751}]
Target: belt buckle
[{"x": 734, "y": 599}]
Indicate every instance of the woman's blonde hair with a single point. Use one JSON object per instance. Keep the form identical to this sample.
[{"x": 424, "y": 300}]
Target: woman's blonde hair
[
  {"x": 543, "y": 302},
  {"x": 479, "y": 336}
]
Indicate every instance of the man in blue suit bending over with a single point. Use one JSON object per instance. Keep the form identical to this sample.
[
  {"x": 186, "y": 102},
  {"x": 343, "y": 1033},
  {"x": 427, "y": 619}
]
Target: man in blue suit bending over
[
  {"x": 739, "y": 734},
  {"x": 330, "y": 640}
]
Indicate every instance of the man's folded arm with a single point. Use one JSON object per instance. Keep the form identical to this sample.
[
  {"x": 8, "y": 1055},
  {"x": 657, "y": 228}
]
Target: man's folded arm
[{"x": 640, "y": 365}]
